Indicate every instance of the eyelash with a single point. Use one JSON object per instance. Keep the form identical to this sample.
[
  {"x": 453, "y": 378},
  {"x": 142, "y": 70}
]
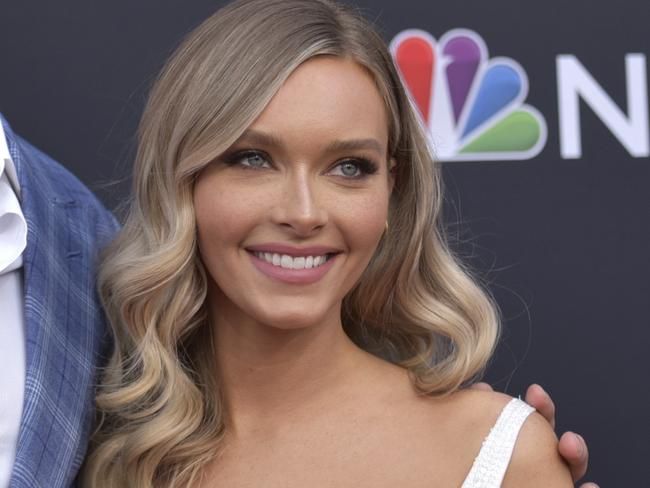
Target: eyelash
[{"x": 366, "y": 166}]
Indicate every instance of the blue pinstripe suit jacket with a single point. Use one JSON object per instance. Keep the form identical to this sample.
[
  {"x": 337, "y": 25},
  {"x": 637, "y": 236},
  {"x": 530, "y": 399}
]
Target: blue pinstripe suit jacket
[{"x": 65, "y": 330}]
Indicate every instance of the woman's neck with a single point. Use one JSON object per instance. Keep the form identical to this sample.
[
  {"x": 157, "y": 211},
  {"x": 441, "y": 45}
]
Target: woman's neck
[{"x": 271, "y": 375}]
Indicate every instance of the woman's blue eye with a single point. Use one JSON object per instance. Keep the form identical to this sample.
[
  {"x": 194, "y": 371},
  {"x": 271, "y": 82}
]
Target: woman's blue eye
[
  {"x": 355, "y": 168},
  {"x": 249, "y": 159},
  {"x": 349, "y": 169}
]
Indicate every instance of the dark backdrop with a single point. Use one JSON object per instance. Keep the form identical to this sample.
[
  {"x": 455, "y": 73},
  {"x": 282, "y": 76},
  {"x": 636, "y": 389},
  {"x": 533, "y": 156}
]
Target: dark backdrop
[{"x": 563, "y": 243}]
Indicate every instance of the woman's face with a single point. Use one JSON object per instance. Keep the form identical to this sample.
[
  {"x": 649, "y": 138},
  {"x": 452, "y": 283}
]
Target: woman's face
[{"x": 289, "y": 217}]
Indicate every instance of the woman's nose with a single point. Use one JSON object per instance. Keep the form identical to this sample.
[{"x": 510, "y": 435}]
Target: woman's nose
[{"x": 300, "y": 206}]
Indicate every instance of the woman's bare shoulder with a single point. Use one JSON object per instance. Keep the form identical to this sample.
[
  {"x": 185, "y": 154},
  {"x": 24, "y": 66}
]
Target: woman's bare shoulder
[
  {"x": 460, "y": 421},
  {"x": 475, "y": 408},
  {"x": 535, "y": 461}
]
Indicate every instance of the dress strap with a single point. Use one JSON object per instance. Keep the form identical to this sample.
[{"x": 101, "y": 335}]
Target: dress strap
[{"x": 490, "y": 465}]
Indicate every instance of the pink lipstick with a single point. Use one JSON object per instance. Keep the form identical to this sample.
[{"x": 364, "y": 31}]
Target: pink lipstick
[{"x": 293, "y": 265}]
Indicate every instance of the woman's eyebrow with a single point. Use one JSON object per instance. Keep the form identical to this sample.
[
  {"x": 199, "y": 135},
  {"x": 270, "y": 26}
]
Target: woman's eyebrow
[
  {"x": 352, "y": 144},
  {"x": 253, "y": 136}
]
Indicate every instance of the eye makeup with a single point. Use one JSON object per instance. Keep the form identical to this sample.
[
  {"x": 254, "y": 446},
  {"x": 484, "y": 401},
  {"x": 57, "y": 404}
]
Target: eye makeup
[{"x": 260, "y": 160}]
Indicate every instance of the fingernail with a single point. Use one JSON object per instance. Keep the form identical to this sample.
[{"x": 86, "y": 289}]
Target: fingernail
[
  {"x": 581, "y": 445},
  {"x": 543, "y": 390}
]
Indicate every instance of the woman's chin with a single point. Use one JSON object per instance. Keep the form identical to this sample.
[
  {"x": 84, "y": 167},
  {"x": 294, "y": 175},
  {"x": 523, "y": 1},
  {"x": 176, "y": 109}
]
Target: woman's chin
[{"x": 296, "y": 318}]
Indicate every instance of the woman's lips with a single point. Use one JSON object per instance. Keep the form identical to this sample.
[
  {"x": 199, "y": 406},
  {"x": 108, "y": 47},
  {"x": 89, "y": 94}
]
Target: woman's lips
[{"x": 293, "y": 276}]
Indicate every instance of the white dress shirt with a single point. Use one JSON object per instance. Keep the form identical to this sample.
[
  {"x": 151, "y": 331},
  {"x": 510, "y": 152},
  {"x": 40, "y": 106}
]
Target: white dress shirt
[{"x": 13, "y": 239}]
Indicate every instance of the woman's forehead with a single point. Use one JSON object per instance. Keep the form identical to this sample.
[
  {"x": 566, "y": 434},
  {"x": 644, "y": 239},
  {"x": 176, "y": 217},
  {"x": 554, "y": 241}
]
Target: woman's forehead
[{"x": 326, "y": 97}]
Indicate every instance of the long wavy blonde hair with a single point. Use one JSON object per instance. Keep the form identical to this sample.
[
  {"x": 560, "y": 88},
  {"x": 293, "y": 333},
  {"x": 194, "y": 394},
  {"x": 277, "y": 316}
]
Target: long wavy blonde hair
[{"x": 160, "y": 407}]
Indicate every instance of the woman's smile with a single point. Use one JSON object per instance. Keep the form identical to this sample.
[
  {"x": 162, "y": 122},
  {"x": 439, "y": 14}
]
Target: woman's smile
[{"x": 290, "y": 264}]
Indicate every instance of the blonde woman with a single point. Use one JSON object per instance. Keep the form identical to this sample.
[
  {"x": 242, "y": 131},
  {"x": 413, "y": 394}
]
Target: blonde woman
[{"x": 286, "y": 312}]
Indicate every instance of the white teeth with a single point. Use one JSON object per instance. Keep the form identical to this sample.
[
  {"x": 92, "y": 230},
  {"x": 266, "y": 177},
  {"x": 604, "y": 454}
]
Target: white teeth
[
  {"x": 286, "y": 262},
  {"x": 289, "y": 262}
]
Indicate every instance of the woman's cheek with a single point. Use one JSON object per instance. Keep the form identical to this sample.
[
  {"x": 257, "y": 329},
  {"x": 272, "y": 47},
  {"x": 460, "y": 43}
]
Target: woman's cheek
[{"x": 366, "y": 223}]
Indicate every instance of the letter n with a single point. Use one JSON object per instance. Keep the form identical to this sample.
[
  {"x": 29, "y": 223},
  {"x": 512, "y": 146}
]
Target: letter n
[{"x": 575, "y": 82}]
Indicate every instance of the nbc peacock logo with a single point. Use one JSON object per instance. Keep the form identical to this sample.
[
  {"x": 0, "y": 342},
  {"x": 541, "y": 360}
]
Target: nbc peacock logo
[{"x": 471, "y": 106}]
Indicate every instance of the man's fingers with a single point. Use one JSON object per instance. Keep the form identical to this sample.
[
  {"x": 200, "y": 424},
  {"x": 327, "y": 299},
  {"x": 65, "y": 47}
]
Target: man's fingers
[
  {"x": 538, "y": 398},
  {"x": 573, "y": 449},
  {"x": 481, "y": 386}
]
